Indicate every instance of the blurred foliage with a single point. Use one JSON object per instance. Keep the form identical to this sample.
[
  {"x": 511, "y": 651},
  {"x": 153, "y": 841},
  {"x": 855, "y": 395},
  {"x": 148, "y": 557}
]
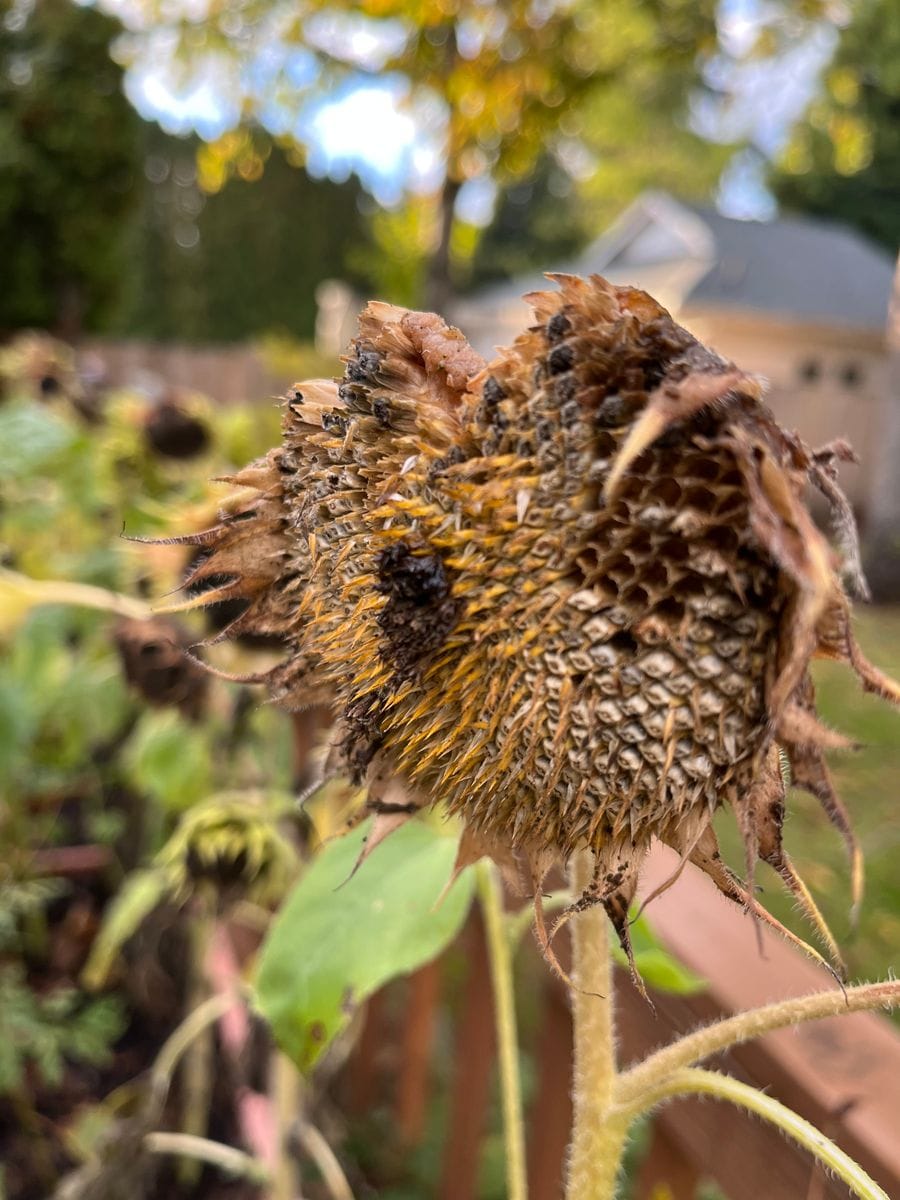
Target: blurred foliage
[
  {"x": 90, "y": 771},
  {"x": 222, "y": 257},
  {"x": 287, "y": 358},
  {"x": 46, "y": 1031},
  {"x": 233, "y": 844},
  {"x": 843, "y": 158},
  {"x": 658, "y": 969},
  {"x": 518, "y": 97},
  {"x": 69, "y": 160},
  {"x": 105, "y": 222},
  {"x": 539, "y": 223}
]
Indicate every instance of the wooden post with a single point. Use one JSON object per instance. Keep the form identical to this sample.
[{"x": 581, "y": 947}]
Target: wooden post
[
  {"x": 550, "y": 1119},
  {"x": 474, "y": 1052},
  {"x": 416, "y": 1039},
  {"x": 362, "y": 1069},
  {"x": 666, "y": 1171},
  {"x": 882, "y": 550}
]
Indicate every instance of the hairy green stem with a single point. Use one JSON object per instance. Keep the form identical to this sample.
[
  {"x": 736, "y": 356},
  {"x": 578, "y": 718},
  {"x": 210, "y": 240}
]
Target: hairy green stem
[
  {"x": 597, "y": 1140},
  {"x": 696, "y": 1081},
  {"x": 653, "y": 1071},
  {"x": 490, "y": 891}
]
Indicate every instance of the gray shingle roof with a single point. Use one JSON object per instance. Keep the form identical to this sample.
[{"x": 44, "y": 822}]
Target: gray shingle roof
[{"x": 798, "y": 267}]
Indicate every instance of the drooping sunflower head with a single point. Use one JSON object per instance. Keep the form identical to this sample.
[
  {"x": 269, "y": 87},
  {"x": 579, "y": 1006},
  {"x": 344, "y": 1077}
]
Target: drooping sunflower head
[{"x": 573, "y": 593}]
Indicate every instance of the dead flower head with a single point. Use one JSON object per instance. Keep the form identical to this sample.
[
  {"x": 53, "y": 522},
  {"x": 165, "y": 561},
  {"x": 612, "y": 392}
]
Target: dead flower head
[{"x": 573, "y": 594}]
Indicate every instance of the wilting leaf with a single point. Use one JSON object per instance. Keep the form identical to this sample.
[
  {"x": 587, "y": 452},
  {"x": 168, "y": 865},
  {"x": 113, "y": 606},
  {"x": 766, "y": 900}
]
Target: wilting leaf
[{"x": 337, "y": 940}]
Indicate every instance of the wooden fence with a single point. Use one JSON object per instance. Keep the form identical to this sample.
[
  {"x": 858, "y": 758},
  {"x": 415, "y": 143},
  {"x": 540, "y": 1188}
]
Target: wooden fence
[
  {"x": 843, "y": 1074},
  {"x": 229, "y": 374}
]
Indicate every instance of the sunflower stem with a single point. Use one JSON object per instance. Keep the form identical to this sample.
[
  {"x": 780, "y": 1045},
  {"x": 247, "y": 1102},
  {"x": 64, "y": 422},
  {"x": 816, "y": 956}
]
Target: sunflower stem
[
  {"x": 490, "y": 891},
  {"x": 189, "y": 1147},
  {"x": 648, "y": 1075},
  {"x": 698, "y": 1082},
  {"x": 598, "y": 1136}
]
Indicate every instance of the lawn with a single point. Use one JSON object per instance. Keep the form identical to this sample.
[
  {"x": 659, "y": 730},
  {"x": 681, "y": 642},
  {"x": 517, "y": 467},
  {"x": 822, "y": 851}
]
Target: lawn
[{"x": 868, "y": 781}]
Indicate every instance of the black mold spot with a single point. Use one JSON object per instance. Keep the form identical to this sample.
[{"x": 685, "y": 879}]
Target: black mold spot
[
  {"x": 381, "y": 409},
  {"x": 350, "y": 392},
  {"x": 561, "y": 359},
  {"x": 415, "y": 579},
  {"x": 363, "y": 368},
  {"x": 565, "y": 389},
  {"x": 363, "y": 735},
  {"x": 420, "y": 611},
  {"x": 557, "y": 327},
  {"x": 492, "y": 393},
  {"x": 333, "y": 422},
  {"x": 569, "y": 413},
  {"x": 455, "y": 455},
  {"x": 612, "y": 412}
]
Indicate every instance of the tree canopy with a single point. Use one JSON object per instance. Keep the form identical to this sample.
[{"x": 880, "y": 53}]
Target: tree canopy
[
  {"x": 498, "y": 88},
  {"x": 69, "y": 157},
  {"x": 242, "y": 259},
  {"x": 843, "y": 158}
]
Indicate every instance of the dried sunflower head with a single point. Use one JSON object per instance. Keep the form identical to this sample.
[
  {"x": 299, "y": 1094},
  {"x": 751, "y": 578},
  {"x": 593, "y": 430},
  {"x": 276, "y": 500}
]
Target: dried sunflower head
[
  {"x": 574, "y": 594},
  {"x": 44, "y": 369},
  {"x": 156, "y": 662}
]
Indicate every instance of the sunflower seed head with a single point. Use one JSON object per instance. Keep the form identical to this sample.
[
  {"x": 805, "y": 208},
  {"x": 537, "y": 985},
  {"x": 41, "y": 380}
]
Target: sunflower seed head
[{"x": 573, "y": 593}]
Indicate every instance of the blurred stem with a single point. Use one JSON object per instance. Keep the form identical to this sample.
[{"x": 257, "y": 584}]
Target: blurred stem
[
  {"x": 696, "y": 1081},
  {"x": 19, "y": 593},
  {"x": 318, "y": 1149},
  {"x": 285, "y": 1088},
  {"x": 598, "y": 1135},
  {"x": 178, "y": 1041},
  {"x": 200, "y": 1150},
  {"x": 198, "y": 1073},
  {"x": 721, "y": 1035},
  {"x": 490, "y": 891}
]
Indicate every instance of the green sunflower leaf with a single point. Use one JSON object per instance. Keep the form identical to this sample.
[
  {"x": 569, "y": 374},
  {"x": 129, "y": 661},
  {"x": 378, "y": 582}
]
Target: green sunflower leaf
[{"x": 337, "y": 939}]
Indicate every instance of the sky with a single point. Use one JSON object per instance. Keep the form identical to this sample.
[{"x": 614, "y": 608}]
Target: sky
[{"x": 366, "y": 124}]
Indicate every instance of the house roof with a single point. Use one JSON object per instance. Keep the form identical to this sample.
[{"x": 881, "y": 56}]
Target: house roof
[
  {"x": 800, "y": 267},
  {"x": 692, "y": 257}
]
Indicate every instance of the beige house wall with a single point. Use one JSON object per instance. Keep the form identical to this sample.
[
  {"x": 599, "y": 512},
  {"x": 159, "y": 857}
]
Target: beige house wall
[{"x": 825, "y": 382}]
